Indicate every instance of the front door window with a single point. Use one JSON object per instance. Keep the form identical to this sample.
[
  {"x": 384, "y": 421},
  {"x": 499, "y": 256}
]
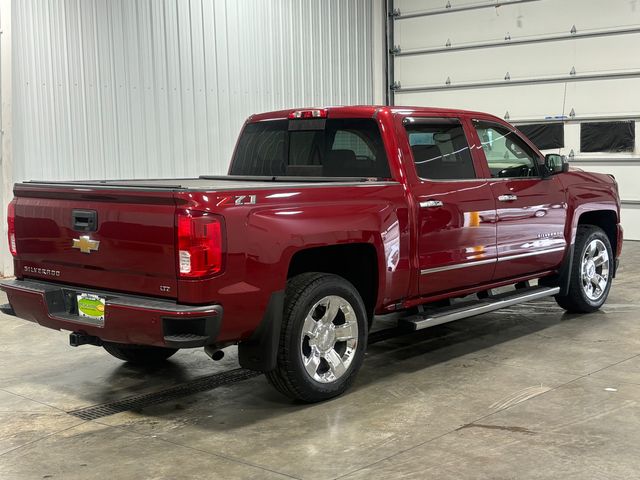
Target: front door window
[{"x": 507, "y": 154}]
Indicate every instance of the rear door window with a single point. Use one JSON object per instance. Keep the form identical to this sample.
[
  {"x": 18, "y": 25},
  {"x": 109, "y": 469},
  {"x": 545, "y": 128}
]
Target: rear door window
[{"x": 440, "y": 150}]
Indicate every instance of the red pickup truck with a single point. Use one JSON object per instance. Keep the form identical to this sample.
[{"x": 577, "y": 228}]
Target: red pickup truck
[{"x": 327, "y": 217}]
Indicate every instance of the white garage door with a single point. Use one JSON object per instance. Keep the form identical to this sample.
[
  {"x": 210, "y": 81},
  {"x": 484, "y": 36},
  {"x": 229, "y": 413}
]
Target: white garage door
[{"x": 568, "y": 68}]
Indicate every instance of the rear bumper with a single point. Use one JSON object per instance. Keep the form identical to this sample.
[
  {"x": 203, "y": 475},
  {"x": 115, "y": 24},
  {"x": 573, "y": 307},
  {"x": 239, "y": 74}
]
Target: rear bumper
[{"x": 128, "y": 318}]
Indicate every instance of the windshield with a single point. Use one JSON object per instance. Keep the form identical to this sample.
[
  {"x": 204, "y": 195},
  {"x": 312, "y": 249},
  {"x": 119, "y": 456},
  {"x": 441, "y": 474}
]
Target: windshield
[{"x": 311, "y": 148}]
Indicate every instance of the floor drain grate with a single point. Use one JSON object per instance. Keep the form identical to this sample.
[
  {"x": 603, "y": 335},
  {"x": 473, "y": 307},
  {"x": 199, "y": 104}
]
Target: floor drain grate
[{"x": 145, "y": 400}]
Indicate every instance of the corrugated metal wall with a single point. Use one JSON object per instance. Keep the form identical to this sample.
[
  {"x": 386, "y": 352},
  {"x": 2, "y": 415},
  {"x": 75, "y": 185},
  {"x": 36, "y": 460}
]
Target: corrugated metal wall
[
  {"x": 151, "y": 88},
  {"x": 6, "y": 163}
]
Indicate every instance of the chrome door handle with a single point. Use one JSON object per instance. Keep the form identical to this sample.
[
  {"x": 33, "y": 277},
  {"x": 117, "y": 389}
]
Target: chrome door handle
[
  {"x": 507, "y": 198},
  {"x": 431, "y": 204}
]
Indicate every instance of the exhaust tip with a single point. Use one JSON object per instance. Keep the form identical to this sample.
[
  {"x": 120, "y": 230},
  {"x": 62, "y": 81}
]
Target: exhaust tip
[{"x": 214, "y": 353}]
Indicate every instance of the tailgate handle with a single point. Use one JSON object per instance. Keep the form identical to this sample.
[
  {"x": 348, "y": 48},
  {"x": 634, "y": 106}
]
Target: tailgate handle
[{"x": 84, "y": 220}]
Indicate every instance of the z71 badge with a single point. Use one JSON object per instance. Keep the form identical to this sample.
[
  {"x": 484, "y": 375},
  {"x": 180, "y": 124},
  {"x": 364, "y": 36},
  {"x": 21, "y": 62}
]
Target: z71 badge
[{"x": 238, "y": 200}]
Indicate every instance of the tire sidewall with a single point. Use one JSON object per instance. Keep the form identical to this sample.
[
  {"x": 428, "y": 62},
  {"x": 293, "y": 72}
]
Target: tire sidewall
[
  {"x": 593, "y": 235},
  {"x": 333, "y": 285}
]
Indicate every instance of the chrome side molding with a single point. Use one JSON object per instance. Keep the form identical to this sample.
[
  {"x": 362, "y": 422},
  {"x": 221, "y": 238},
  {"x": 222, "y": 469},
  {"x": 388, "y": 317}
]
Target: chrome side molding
[
  {"x": 475, "y": 263},
  {"x": 532, "y": 254},
  {"x": 455, "y": 266}
]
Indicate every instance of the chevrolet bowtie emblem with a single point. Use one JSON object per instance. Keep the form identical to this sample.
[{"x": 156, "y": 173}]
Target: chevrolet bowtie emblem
[{"x": 85, "y": 244}]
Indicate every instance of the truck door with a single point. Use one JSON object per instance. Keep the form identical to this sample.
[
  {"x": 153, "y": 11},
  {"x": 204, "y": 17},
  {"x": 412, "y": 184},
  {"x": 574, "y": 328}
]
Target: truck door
[
  {"x": 456, "y": 209},
  {"x": 531, "y": 210}
]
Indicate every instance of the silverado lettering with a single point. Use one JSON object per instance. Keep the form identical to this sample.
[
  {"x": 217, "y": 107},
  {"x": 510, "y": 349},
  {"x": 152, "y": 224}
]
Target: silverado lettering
[
  {"x": 327, "y": 218},
  {"x": 41, "y": 271}
]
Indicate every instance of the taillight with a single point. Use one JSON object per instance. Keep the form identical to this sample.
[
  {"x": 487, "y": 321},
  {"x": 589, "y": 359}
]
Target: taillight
[
  {"x": 11, "y": 221},
  {"x": 200, "y": 244}
]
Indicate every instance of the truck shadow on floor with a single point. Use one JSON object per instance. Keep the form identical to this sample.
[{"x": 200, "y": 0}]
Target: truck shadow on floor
[{"x": 234, "y": 391}]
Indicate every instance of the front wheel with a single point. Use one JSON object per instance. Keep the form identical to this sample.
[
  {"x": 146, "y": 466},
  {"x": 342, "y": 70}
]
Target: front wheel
[
  {"x": 139, "y": 354},
  {"x": 323, "y": 338},
  {"x": 591, "y": 272}
]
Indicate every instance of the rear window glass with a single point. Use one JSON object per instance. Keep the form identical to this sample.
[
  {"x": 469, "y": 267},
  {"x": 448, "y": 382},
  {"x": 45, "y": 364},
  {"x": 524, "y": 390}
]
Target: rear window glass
[{"x": 311, "y": 148}]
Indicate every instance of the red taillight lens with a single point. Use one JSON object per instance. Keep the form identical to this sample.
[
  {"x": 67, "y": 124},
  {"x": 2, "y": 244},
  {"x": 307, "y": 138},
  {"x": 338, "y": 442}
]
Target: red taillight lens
[
  {"x": 11, "y": 221},
  {"x": 200, "y": 244}
]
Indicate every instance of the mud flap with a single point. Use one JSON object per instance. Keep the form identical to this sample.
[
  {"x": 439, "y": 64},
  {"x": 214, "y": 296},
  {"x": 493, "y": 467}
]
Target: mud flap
[
  {"x": 260, "y": 351},
  {"x": 561, "y": 279}
]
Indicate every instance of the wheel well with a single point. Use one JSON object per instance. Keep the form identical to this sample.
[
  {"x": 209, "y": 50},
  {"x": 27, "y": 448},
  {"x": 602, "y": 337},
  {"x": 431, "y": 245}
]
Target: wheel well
[
  {"x": 606, "y": 220},
  {"x": 356, "y": 262}
]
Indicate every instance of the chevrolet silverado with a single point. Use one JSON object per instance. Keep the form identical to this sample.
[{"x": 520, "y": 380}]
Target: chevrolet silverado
[{"x": 327, "y": 217}]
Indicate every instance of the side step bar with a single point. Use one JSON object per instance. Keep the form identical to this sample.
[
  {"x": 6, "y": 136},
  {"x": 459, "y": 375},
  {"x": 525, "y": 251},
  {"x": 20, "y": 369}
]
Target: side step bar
[{"x": 471, "y": 309}]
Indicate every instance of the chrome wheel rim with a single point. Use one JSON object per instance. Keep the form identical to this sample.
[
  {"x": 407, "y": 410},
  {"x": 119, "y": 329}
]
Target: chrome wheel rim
[
  {"x": 329, "y": 339},
  {"x": 594, "y": 270}
]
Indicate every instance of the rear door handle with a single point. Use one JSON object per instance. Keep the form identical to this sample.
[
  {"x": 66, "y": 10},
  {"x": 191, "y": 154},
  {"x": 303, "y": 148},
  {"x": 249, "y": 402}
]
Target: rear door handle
[
  {"x": 507, "y": 198},
  {"x": 431, "y": 204}
]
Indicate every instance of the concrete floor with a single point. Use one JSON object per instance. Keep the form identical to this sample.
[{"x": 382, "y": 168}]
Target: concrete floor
[{"x": 522, "y": 393}]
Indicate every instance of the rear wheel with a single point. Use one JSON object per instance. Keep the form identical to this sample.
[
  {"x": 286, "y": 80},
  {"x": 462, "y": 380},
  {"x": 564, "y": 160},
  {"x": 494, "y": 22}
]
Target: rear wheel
[
  {"x": 139, "y": 354},
  {"x": 323, "y": 338},
  {"x": 592, "y": 271}
]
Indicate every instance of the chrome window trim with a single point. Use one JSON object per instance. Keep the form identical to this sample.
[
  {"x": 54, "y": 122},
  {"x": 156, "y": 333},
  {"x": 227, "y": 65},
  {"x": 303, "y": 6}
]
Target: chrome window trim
[
  {"x": 512, "y": 179},
  {"x": 490, "y": 260},
  {"x": 426, "y": 181}
]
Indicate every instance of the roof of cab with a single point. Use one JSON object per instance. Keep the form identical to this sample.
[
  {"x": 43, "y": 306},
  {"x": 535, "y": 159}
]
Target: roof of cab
[{"x": 366, "y": 111}]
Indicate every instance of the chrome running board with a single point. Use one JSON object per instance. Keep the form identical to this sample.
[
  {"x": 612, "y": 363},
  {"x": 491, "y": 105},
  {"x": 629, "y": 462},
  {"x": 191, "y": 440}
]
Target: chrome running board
[{"x": 470, "y": 309}]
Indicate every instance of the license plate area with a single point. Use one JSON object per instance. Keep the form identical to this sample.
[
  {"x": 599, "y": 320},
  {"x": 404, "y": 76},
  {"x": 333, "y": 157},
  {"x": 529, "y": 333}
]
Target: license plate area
[
  {"x": 63, "y": 304},
  {"x": 91, "y": 307}
]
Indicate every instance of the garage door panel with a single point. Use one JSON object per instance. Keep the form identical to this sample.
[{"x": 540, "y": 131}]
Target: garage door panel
[
  {"x": 630, "y": 217},
  {"x": 420, "y": 6},
  {"x": 531, "y": 19},
  {"x": 521, "y": 61},
  {"x": 522, "y": 101},
  {"x": 604, "y": 97}
]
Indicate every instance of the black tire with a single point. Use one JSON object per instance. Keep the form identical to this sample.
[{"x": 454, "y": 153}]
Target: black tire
[
  {"x": 577, "y": 300},
  {"x": 139, "y": 354},
  {"x": 290, "y": 376}
]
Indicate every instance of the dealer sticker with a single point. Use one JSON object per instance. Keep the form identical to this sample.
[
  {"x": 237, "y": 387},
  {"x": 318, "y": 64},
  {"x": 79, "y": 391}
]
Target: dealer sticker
[{"x": 91, "y": 306}]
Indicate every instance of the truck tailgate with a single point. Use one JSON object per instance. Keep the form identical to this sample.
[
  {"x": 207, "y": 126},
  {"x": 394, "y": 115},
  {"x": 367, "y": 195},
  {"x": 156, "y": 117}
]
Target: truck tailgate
[{"x": 130, "y": 248}]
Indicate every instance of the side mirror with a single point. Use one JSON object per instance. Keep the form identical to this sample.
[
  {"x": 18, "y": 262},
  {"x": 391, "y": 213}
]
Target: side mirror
[{"x": 555, "y": 163}]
